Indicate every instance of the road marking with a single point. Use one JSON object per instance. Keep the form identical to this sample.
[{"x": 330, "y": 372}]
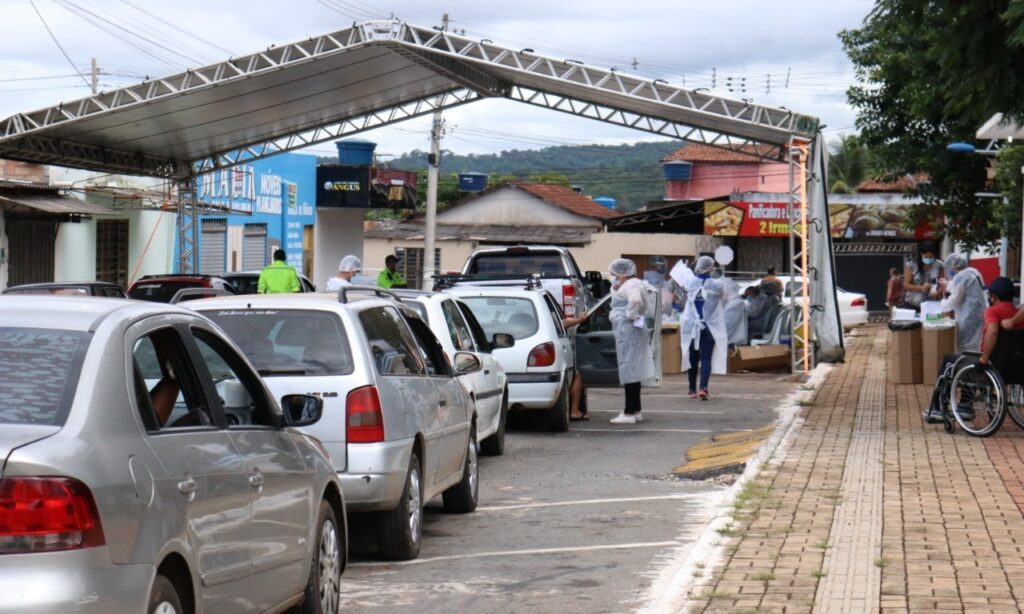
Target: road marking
[
  {"x": 622, "y": 430},
  {"x": 522, "y": 506},
  {"x": 456, "y": 557}
]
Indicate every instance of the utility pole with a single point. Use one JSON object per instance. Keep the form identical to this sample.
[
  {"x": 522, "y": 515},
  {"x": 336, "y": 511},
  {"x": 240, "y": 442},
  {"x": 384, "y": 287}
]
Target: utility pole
[
  {"x": 94, "y": 82},
  {"x": 433, "y": 161}
]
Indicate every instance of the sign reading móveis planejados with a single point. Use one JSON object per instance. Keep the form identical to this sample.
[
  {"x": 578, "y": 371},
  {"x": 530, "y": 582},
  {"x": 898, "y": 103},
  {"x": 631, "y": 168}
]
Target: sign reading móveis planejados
[{"x": 746, "y": 219}]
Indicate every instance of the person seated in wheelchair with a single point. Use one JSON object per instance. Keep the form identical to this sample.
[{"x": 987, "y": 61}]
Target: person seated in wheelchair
[{"x": 1000, "y": 301}]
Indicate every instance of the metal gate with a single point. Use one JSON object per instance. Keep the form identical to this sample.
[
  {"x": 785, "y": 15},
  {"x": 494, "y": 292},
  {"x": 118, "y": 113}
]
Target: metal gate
[
  {"x": 213, "y": 247},
  {"x": 254, "y": 247},
  {"x": 31, "y": 246},
  {"x": 112, "y": 251},
  {"x": 864, "y": 268}
]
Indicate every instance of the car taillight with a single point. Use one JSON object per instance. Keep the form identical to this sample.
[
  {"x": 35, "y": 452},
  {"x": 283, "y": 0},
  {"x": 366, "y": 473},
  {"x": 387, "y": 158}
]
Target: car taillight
[
  {"x": 46, "y": 515},
  {"x": 364, "y": 421},
  {"x": 542, "y": 356},
  {"x": 859, "y": 302},
  {"x": 569, "y": 300}
]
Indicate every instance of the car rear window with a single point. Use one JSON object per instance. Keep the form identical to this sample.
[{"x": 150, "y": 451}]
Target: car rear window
[
  {"x": 499, "y": 314},
  {"x": 513, "y": 263},
  {"x": 39, "y": 370},
  {"x": 245, "y": 284},
  {"x": 160, "y": 291},
  {"x": 288, "y": 341}
]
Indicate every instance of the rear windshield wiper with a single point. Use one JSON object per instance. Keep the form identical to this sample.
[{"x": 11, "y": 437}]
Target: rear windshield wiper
[{"x": 281, "y": 371}]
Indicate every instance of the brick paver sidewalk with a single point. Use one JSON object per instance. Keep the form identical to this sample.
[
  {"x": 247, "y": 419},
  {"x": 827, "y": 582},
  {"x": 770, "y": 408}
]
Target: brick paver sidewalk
[{"x": 869, "y": 510}]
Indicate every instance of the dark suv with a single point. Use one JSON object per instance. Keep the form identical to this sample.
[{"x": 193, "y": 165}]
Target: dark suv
[{"x": 163, "y": 288}]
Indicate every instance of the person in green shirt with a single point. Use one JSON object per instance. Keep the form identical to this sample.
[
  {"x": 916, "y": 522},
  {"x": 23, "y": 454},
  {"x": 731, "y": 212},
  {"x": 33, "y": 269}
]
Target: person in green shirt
[
  {"x": 278, "y": 277},
  {"x": 390, "y": 277}
]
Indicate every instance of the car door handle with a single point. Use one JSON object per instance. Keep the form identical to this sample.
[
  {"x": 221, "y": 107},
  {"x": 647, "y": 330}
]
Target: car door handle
[
  {"x": 256, "y": 480},
  {"x": 187, "y": 486}
]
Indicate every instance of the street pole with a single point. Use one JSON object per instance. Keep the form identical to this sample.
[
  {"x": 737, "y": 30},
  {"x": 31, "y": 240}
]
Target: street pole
[
  {"x": 94, "y": 82},
  {"x": 1020, "y": 272},
  {"x": 433, "y": 162}
]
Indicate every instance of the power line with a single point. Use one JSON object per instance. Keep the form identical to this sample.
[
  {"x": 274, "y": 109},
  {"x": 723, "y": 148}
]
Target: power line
[
  {"x": 182, "y": 30},
  {"x": 57, "y": 42}
]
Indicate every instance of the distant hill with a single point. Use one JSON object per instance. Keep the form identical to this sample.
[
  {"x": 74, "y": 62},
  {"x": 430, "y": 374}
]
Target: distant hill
[{"x": 629, "y": 173}]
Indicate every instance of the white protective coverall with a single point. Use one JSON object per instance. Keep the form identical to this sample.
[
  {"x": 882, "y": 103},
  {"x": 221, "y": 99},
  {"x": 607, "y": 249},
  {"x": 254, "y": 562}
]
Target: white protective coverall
[
  {"x": 690, "y": 322},
  {"x": 735, "y": 313},
  {"x": 632, "y": 343},
  {"x": 967, "y": 301},
  {"x": 348, "y": 264}
]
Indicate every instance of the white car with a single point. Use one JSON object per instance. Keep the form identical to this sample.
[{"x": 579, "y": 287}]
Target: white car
[
  {"x": 853, "y": 306},
  {"x": 457, "y": 330},
  {"x": 539, "y": 366}
]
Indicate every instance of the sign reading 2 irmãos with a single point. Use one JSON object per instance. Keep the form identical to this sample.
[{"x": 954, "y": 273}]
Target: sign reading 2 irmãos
[{"x": 746, "y": 219}]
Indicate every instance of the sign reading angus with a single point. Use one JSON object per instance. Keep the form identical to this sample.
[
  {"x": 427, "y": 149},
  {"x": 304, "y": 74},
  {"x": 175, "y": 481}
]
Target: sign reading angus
[{"x": 343, "y": 186}]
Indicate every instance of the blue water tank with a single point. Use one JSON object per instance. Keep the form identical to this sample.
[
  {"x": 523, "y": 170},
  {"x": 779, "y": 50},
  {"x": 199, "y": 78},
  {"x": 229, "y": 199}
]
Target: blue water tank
[
  {"x": 355, "y": 152},
  {"x": 677, "y": 170},
  {"x": 605, "y": 201},
  {"x": 472, "y": 182}
]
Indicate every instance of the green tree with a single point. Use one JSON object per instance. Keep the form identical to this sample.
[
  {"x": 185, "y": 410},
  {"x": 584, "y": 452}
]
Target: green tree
[
  {"x": 930, "y": 73},
  {"x": 849, "y": 164}
]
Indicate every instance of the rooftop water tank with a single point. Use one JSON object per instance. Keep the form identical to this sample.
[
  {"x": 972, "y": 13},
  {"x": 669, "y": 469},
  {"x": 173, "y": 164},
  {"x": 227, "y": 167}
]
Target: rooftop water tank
[
  {"x": 677, "y": 170},
  {"x": 605, "y": 201},
  {"x": 355, "y": 152},
  {"x": 472, "y": 182}
]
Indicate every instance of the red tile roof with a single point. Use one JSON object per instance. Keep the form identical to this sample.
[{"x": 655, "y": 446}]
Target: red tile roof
[
  {"x": 906, "y": 183},
  {"x": 565, "y": 198},
  {"x": 695, "y": 152}
]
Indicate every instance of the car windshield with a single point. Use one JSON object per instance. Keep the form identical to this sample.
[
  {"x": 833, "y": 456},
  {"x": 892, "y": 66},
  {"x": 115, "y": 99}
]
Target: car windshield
[
  {"x": 499, "y": 314},
  {"x": 288, "y": 341},
  {"x": 160, "y": 291},
  {"x": 39, "y": 370},
  {"x": 518, "y": 263}
]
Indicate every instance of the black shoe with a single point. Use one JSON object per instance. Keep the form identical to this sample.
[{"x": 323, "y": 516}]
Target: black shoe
[{"x": 932, "y": 416}]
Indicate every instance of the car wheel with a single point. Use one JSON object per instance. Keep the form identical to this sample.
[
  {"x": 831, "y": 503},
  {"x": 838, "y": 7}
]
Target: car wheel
[
  {"x": 462, "y": 498},
  {"x": 401, "y": 529},
  {"x": 163, "y": 598},
  {"x": 324, "y": 586},
  {"x": 495, "y": 444},
  {"x": 558, "y": 415}
]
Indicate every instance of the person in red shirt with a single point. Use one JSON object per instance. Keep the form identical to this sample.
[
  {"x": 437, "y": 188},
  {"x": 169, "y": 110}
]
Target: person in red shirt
[{"x": 1001, "y": 313}]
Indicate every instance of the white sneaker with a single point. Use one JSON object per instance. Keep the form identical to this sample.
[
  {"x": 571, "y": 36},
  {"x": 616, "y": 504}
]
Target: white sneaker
[
  {"x": 624, "y": 418},
  {"x": 638, "y": 417}
]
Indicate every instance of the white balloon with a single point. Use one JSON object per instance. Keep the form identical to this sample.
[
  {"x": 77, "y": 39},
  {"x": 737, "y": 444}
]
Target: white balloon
[{"x": 723, "y": 255}]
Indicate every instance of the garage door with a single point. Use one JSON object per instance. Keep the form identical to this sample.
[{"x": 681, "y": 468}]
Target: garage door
[
  {"x": 30, "y": 245},
  {"x": 864, "y": 268},
  {"x": 213, "y": 247},
  {"x": 254, "y": 247}
]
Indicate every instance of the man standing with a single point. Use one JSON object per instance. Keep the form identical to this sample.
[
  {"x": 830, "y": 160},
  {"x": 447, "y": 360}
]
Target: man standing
[
  {"x": 348, "y": 268},
  {"x": 390, "y": 277},
  {"x": 278, "y": 277}
]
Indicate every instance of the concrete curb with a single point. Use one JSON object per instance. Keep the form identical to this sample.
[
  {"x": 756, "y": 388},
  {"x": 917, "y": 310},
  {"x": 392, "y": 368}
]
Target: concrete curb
[{"x": 674, "y": 583}]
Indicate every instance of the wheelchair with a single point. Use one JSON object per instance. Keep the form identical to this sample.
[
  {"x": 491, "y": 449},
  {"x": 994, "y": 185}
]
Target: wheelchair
[{"x": 978, "y": 397}]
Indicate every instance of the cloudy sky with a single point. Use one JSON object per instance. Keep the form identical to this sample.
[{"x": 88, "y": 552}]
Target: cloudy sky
[{"x": 781, "y": 53}]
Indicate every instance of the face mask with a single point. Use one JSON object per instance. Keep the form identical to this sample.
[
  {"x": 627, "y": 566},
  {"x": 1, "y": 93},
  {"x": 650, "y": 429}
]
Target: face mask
[{"x": 928, "y": 261}]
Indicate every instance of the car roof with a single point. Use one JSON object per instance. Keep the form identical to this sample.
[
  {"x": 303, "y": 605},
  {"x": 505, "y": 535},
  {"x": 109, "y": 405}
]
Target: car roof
[
  {"x": 498, "y": 250},
  {"x": 463, "y": 291},
  {"x": 65, "y": 284},
  {"x": 247, "y": 274},
  {"x": 295, "y": 300},
  {"x": 174, "y": 277},
  {"x": 72, "y": 313}
]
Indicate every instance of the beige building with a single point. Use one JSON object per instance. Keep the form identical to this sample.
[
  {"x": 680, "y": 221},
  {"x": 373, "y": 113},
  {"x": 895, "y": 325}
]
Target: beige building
[{"x": 522, "y": 213}]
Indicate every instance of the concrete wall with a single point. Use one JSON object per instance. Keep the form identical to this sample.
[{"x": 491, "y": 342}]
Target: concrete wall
[
  {"x": 714, "y": 180},
  {"x": 75, "y": 252},
  {"x": 151, "y": 241},
  {"x": 338, "y": 232},
  {"x": 512, "y": 207}
]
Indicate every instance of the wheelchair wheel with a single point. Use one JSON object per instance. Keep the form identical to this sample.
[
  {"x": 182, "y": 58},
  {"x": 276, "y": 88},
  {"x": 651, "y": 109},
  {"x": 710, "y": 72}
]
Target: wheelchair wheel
[
  {"x": 977, "y": 400},
  {"x": 1015, "y": 403}
]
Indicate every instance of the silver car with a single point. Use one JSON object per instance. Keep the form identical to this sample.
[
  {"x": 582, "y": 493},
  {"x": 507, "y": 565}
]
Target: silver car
[
  {"x": 146, "y": 468},
  {"x": 399, "y": 426}
]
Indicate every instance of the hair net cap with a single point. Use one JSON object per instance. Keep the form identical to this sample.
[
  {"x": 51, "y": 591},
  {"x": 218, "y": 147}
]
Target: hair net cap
[
  {"x": 704, "y": 265},
  {"x": 350, "y": 264},
  {"x": 956, "y": 261},
  {"x": 621, "y": 266}
]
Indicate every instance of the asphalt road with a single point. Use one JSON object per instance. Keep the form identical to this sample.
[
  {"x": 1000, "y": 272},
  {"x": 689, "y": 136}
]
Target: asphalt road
[{"x": 572, "y": 522}]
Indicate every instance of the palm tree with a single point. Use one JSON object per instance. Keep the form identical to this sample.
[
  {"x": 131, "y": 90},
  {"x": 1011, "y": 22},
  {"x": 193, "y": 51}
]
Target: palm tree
[{"x": 849, "y": 164}]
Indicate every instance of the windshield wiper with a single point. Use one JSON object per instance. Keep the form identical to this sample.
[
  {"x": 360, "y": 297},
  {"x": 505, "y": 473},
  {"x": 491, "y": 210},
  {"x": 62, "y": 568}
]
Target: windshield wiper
[{"x": 281, "y": 371}]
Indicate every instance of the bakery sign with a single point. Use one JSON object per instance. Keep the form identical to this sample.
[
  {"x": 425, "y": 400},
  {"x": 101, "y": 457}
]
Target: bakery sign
[
  {"x": 846, "y": 221},
  {"x": 746, "y": 219}
]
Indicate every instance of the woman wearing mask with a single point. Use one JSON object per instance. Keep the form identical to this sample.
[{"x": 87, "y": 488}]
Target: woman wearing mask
[
  {"x": 632, "y": 342},
  {"x": 702, "y": 331},
  {"x": 966, "y": 300},
  {"x": 920, "y": 275}
]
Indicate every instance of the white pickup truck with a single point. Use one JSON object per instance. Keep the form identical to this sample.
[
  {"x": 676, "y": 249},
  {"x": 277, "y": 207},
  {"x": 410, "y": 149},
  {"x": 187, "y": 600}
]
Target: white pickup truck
[{"x": 557, "y": 270}]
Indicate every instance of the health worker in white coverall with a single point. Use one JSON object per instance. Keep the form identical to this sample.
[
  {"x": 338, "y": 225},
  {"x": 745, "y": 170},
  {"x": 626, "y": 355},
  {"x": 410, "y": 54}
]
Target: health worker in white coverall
[
  {"x": 702, "y": 329},
  {"x": 629, "y": 306}
]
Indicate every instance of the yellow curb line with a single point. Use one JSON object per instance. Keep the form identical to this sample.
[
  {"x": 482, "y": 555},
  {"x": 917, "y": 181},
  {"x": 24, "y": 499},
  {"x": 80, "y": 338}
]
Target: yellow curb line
[{"x": 722, "y": 453}]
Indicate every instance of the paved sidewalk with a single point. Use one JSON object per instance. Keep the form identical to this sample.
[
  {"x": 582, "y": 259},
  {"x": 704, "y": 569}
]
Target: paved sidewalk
[{"x": 867, "y": 509}]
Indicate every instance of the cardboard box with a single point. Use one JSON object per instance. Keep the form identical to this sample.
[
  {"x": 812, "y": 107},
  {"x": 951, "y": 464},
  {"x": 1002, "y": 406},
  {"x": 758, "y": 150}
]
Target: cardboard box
[
  {"x": 905, "y": 356},
  {"x": 759, "y": 358},
  {"x": 935, "y": 343},
  {"x": 671, "y": 352}
]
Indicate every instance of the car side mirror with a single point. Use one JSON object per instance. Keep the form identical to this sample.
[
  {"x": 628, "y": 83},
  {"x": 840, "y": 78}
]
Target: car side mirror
[
  {"x": 466, "y": 362},
  {"x": 301, "y": 409},
  {"x": 502, "y": 340}
]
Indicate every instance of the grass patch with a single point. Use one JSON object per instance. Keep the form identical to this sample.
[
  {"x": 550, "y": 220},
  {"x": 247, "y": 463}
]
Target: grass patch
[
  {"x": 818, "y": 574},
  {"x": 716, "y": 595},
  {"x": 727, "y": 531},
  {"x": 763, "y": 576},
  {"x": 698, "y": 573},
  {"x": 882, "y": 563},
  {"x": 823, "y": 544},
  {"x": 804, "y": 403}
]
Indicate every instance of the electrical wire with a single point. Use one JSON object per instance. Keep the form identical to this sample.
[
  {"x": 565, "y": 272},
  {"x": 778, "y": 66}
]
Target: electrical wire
[
  {"x": 182, "y": 30},
  {"x": 57, "y": 42}
]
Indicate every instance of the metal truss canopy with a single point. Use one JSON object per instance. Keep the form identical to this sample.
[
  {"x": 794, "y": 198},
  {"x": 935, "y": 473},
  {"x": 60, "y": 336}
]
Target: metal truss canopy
[{"x": 367, "y": 76}]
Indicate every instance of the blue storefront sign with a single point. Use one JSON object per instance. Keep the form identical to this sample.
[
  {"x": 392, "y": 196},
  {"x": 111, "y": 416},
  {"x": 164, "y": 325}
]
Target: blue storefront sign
[{"x": 259, "y": 207}]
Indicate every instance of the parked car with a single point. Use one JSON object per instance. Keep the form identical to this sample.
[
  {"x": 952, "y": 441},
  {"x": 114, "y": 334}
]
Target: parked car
[
  {"x": 457, "y": 330},
  {"x": 70, "y": 288},
  {"x": 853, "y": 306},
  {"x": 539, "y": 366},
  {"x": 400, "y": 428},
  {"x": 246, "y": 282},
  {"x": 557, "y": 269},
  {"x": 163, "y": 288},
  {"x": 146, "y": 468}
]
